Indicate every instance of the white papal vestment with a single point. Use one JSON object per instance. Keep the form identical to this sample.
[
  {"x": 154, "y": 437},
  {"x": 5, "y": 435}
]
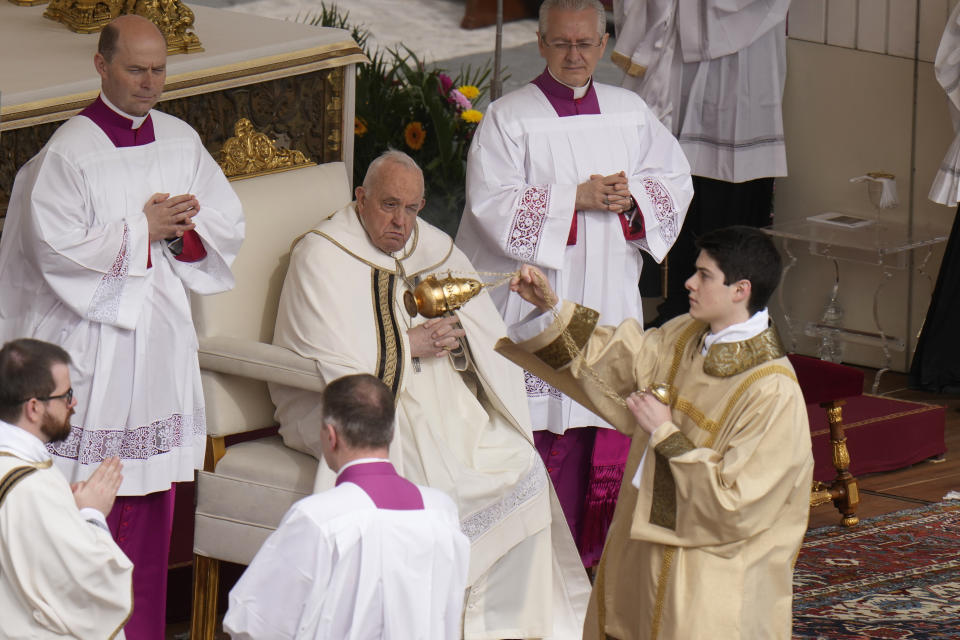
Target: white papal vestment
[
  {"x": 462, "y": 423},
  {"x": 61, "y": 576},
  {"x": 73, "y": 271},
  {"x": 523, "y": 169}
]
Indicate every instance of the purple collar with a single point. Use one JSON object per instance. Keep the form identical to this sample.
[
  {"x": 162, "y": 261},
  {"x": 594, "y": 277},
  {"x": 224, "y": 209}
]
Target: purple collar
[
  {"x": 384, "y": 485},
  {"x": 118, "y": 128},
  {"x": 562, "y": 100}
]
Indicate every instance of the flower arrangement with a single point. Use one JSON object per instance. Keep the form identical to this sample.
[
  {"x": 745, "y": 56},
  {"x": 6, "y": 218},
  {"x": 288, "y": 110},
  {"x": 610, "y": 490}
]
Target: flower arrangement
[{"x": 403, "y": 104}]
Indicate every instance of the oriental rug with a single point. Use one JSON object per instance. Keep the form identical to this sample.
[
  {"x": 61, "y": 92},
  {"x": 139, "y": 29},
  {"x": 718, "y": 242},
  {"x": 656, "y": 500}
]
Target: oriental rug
[{"x": 895, "y": 577}]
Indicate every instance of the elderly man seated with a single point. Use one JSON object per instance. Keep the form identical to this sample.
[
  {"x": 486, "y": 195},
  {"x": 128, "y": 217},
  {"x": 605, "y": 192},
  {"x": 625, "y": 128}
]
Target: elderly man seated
[
  {"x": 462, "y": 421},
  {"x": 374, "y": 553}
]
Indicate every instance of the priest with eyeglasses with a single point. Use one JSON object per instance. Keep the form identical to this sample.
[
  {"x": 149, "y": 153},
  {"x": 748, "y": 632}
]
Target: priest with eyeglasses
[{"x": 577, "y": 178}]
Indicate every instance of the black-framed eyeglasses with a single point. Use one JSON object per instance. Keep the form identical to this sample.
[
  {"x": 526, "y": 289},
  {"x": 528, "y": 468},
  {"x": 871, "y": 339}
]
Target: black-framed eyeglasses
[
  {"x": 67, "y": 397},
  {"x": 567, "y": 47}
]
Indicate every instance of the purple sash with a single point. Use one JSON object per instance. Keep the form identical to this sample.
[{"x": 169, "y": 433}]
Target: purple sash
[
  {"x": 384, "y": 485},
  {"x": 562, "y": 100},
  {"x": 118, "y": 128}
]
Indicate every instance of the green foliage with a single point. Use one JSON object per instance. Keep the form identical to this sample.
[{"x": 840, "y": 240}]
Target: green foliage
[{"x": 398, "y": 97}]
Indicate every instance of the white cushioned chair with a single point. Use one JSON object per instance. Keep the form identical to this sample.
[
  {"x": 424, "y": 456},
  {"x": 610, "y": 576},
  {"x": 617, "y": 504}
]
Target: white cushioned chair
[{"x": 246, "y": 488}]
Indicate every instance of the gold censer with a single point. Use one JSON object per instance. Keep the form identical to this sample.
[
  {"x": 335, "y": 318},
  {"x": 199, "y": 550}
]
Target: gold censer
[{"x": 434, "y": 297}]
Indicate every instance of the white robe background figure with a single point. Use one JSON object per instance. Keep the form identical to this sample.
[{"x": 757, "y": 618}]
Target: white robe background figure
[
  {"x": 713, "y": 72},
  {"x": 73, "y": 271},
  {"x": 523, "y": 169}
]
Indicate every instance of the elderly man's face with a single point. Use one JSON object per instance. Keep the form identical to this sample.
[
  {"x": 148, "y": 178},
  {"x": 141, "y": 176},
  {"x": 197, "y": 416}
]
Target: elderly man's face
[
  {"x": 572, "y": 46},
  {"x": 133, "y": 79},
  {"x": 389, "y": 207}
]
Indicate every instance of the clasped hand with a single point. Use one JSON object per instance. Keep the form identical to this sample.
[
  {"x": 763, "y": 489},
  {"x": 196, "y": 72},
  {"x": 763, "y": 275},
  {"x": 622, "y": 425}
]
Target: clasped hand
[
  {"x": 170, "y": 217},
  {"x": 604, "y": 193},
  {"x": 100, "y": 489},
  {"x": 435, "y": 337}
]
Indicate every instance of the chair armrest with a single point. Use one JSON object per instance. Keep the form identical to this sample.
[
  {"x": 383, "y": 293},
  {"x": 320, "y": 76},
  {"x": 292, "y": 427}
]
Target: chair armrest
[{"x": 259, "y": 361}]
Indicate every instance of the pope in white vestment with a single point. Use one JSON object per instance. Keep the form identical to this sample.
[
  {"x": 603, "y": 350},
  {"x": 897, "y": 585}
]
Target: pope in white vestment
[
  {"x": 342, "y": 567},
  {"x": 462, "y": 420},
  {"x": 61, "y": 574}
]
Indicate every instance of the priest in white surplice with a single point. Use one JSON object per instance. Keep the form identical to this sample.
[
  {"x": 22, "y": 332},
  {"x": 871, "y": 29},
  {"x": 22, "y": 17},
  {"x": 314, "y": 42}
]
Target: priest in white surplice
[
  {"x": 713, "y": 72},
  {"x": 462, "y": 420},
  {"x": 577, "y": 178},
  {"x": 61, "y": 574},
  {"x": 99, "y": 254},
  {"x": 375, "y": 557}
]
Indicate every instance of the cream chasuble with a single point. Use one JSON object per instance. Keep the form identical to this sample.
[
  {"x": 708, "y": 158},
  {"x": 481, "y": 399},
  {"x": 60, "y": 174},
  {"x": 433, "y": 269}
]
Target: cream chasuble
[
  {"x": 523, "y": 168},
  {"x": 462, "y": 422},
  {"x": 73, "y": 271},
  {"x": 713, "y": 72},
  {"x": 61, "y": 576},
  {"x": 705, "y": 548}
]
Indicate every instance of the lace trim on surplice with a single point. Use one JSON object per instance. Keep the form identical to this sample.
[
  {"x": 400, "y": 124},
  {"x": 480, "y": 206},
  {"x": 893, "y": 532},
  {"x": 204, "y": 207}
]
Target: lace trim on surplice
[
  {"x": 92, "y": 445},
  {"x": 105, "y": 303}
]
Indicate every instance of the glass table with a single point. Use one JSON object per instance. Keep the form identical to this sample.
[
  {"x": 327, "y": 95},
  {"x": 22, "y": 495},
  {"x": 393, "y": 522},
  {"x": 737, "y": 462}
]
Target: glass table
[{"x": 887, "y": 245}]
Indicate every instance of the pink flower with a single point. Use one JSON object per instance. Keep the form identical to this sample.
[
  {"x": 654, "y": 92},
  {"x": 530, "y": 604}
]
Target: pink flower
[
  {"x": 460, "y": 100},
  {"x": 445, "y": 83}
]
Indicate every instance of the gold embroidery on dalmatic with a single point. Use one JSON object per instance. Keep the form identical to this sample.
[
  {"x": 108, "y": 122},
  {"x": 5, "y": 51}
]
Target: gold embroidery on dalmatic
[
  {"x": 742, "y": 388},
  {"x": 725, "y": 359},
  {"x": 662, "y": 580},
  {"x": 663, "y": 505},
  {"x": 558, "y": 354},
  {"x": 689, "y": 332}
]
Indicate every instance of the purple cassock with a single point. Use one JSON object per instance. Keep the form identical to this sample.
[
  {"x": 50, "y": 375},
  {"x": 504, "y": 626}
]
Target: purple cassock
[
  {"x": 586, "y": 463},
  {"x": 387, "y": 488}
]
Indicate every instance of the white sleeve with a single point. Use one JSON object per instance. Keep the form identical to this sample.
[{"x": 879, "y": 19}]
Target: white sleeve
[
  {"x": 220, "y": 225},
  {"x": 513, "y": 218},
  {"x": 270, "y": 598},
  {"x": 98, "y": 270}
]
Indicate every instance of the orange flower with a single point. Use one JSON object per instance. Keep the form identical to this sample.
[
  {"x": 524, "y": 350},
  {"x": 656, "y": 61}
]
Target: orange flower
[
  {"x": 359, "y": 127},
  {"x": 415, "y": 135}
]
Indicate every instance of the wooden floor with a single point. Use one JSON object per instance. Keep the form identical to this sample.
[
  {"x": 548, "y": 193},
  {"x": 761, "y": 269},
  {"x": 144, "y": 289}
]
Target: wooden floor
[{"x": 921, "y": 484}]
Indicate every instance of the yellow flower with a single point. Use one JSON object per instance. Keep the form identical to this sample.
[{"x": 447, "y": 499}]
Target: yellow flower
[
  {"x": 469, "y": 91},
  {"x": 415, "y": 135},
  {"x": 471, "y": 115},
  {"x": 359, "y": 127}
]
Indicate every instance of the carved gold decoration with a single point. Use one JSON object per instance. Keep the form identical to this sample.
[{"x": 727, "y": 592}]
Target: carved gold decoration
[
  {"x": 172, "y": 17},
  {"x": 28, "y": 3},
  {"x": 662, "y": 391},
  {"x": 841, "y": 457},
  {"x": 295, "y": 110},
  {"x": 251, "y": 153},
  {"x": 84, "y": 16}
]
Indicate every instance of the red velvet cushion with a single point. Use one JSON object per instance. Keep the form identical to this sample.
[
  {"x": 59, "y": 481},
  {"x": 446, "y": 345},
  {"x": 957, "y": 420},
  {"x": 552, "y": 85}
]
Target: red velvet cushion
[
  {"x": 823, "y": 381},
  {"x": 882, "y": 434}
]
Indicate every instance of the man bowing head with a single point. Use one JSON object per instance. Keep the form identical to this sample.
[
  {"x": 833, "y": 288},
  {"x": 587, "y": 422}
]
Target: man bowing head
[{"x": 111, "y": 225}]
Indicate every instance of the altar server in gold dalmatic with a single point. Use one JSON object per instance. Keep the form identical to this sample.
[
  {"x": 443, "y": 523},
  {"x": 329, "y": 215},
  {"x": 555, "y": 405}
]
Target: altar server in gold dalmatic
[{"x": 714, "y": 502}]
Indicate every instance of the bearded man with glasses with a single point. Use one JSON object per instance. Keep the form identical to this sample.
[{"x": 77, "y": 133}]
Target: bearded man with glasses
[
  {"x": 61, "y": 573},
  {"x": 577, "y": 178}
]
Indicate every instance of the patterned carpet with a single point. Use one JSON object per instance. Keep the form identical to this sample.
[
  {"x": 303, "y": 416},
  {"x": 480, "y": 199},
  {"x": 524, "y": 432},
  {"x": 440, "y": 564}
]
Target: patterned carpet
[{"x": 896, "y": 577}]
